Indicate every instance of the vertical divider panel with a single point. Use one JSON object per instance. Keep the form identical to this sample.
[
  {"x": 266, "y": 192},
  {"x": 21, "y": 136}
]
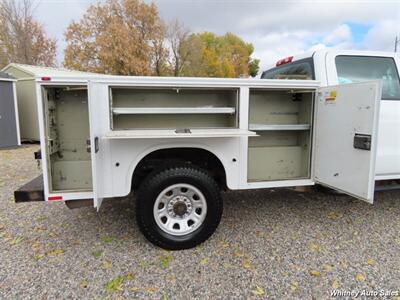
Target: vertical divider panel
[{"x": 243, "y": 116}]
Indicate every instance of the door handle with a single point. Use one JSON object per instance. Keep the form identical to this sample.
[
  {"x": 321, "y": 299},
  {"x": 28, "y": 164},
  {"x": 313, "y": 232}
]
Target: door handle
[
  {"x": 362, "y": 141},
  {"x": 96, "y": 144}
]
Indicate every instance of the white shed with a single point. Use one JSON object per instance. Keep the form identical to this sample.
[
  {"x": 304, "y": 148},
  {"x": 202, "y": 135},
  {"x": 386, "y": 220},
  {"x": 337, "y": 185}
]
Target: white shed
[{"x": 26, "y": 94}]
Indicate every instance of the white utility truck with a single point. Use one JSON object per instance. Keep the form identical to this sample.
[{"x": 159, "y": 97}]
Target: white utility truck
[
  {"x": 331, "y": 67},
  {"x": 177, "y": 142}
]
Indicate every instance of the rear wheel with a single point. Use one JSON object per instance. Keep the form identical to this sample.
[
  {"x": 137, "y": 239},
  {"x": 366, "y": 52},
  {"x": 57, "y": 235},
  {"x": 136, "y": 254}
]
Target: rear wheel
[{"x": 178, "y": 207}]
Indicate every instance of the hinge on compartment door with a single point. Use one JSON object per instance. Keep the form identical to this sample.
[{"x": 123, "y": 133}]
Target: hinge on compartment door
[{"x": 362, "y": 141}]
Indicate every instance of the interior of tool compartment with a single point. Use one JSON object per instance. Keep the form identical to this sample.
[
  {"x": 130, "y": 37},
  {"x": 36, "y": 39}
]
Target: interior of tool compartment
[
  {"x": 173, "y": 108},
  {"x": 67, "y": 132},
  {"x": 283, "y": 122}
]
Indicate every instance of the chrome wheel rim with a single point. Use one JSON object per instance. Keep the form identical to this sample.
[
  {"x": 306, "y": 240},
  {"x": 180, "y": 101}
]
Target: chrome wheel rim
[{"x": 180, "y": 209}]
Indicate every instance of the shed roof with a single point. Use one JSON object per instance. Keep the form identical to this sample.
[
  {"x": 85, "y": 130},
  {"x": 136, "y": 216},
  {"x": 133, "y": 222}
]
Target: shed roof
[
  {"x": 36, "y": 71},
  {"x": 6, "y": 77}
]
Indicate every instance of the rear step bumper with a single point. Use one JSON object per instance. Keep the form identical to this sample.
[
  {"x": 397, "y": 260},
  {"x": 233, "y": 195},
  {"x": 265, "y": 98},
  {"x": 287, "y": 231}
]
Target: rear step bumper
[{"x": 30, "y": 192}]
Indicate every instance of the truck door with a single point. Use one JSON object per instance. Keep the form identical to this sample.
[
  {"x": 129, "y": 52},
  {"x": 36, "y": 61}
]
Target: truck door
[{"x": 345, "y": 138}]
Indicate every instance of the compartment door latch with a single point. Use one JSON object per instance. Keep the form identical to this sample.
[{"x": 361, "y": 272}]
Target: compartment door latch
[
  {"x": 362, "y": 141},
  {"x": 96, "y": 145}
]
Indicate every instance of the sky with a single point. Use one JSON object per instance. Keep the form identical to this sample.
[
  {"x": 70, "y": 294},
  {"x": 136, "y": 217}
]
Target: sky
[{"x": 277, "y": 29}]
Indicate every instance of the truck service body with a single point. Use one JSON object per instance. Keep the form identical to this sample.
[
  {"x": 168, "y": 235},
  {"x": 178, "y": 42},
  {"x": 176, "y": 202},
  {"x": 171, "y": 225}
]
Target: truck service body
[
  {"x": 331, "y": 67},
  {"x": 177, "y": 142}
]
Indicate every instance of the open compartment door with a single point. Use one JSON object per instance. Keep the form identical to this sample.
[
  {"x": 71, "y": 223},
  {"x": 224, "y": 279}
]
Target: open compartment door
[
  {"x": 346, "y": 121},
  {"x": 96, "y": 110}
]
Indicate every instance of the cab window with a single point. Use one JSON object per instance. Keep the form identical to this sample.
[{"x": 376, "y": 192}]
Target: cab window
[
  {"x": 363, "y": 68},
  {"x": 301, "y": 70}
]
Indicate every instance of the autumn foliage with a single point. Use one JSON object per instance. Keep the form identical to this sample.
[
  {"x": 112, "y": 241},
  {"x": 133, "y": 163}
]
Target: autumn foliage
[
  {"x": 22, "y": 39},
  {"x": 128, "y": 37},
  {"x": 117, "y": 37},
  {"x": 219, "y": 56}
]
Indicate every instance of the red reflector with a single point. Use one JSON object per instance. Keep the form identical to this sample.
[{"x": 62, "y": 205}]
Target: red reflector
[
  {"x": 55, "y": 198},
  {"x": 46, "y": 78},
  {"x": 284, "y": 61}
]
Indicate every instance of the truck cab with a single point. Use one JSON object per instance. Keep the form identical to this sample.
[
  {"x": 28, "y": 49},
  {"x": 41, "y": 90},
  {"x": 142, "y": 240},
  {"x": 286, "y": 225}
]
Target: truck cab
[{"x": 332, "y": 67}]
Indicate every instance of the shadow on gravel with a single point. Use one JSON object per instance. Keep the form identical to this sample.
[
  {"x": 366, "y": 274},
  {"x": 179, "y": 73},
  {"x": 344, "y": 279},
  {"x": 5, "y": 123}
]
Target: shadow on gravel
[{"x": 246, "y": 210}]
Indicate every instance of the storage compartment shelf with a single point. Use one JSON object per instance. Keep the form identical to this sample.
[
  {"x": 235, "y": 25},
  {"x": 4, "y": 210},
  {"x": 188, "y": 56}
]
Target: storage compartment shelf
[
  {"x": 165, "y": 133},
  {"x": 264, "y": 127},
  {"x": 172, "y": 110},
  {"x": 158, "y": 108}
]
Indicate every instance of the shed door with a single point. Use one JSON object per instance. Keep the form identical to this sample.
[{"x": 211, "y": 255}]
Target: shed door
[
  {"x": 346, "y": 137},
  {"x": 8, "y": 122}
]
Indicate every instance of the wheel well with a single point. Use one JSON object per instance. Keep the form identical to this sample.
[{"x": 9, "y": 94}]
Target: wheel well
[{"x": 177, "y": 156}]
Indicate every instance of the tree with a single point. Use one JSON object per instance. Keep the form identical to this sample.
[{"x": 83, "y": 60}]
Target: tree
[
  {"x": 177, "y": 36},
  {"x": 160, "y": 52},
  {"x": 219, "y": 56},
  {"x": 22, "y": 39},
  {"x": 122, "y": 37}
]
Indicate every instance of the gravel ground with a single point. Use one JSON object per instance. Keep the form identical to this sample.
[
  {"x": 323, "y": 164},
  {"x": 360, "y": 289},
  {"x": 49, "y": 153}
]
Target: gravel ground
[{"x": 274, "y": 244}]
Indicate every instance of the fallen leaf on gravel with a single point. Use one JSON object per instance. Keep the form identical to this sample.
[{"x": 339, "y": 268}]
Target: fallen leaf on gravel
[
  {"x": 246, "y": 264},
  {"x": 315, "y": 273},
  {"x": 84, "y": 284},
  {"x": 164, "y": 297},
  {"x": 238, "y": 254},
  {"x": 107, "y": 265},
  {"x": 333, "y": 215},
  {"x": 35, "y": 246},
  {"x": 293, "y": 286},
  {"x": 204, "y": 261},
  {"x": 260, "y": 234},
  {"x": 327, "y": 268},
  {"x": 54, "y": 234},
  {"x": 38, "y": 256},
  {"x": 144, "y": 264},
  {"x": 150, "y": 290},
  {"x": 107, "y": 239},
  {"x": 97, "y": 254},
  {"x": 360, "y": 277},
  {"x": 115, "y": 284},
  {"x": 129, "y": 276},
  {"x": 371, "y": 262},
  {"x": 170, "y": 278},
  {"x": 224, "y": 244},
  {"x": 398, "y": 241},
  {"x": 5, "y": 235},
  {"x": 55, "y": 252},
  {"x": 134, "y": 289},
  {"x": 258, "y": 291},
  {"x": 165, "y": 260},
  {"x": 16, "y": 240},
  {"x": 335, "y": 284},
  {"x": 40, "y": 228},
  {"x": 315, "y": 247}
]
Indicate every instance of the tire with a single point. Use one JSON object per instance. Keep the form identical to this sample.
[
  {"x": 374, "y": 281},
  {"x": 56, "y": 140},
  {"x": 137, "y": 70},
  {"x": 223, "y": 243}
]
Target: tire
[{"x": 162, "y": 201}]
